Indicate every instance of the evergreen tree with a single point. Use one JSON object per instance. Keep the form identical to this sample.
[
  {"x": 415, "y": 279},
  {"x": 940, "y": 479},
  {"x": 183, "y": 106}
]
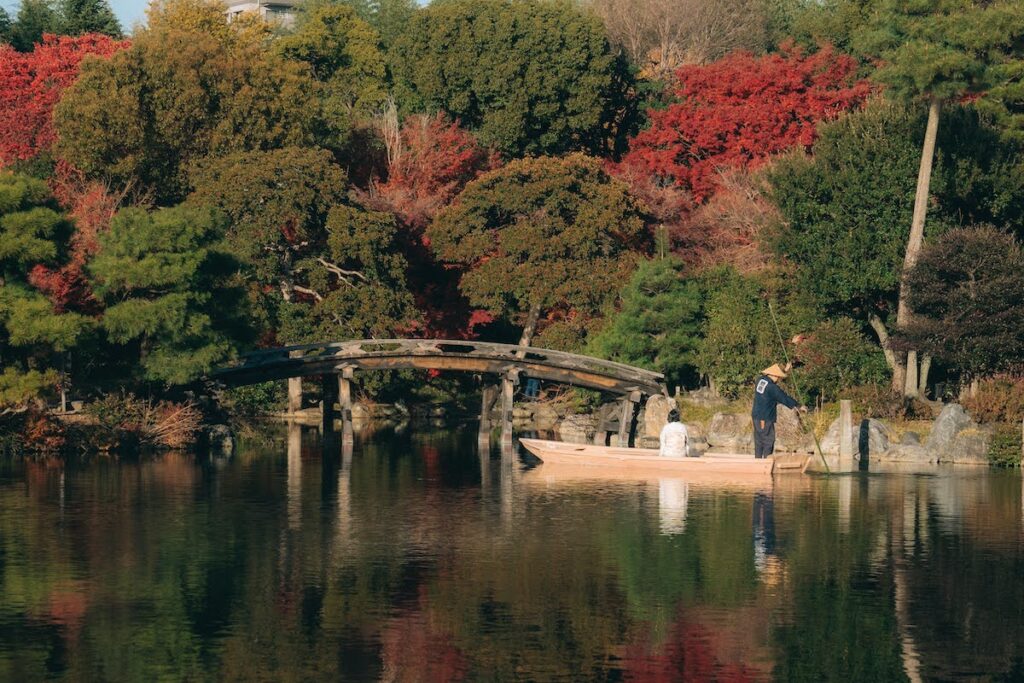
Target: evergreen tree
[
  {"x": 528, "y": 77},
  {"x": 854, "y": 198},
  {"x": 965, "y": 290},
  {"x": 387, "y": 17},
  {"x": 177, "y": 95},
  {"x": 35, "y": 335},
  {"x": 343, "y": 55},
  {"x": 658, "y": 324},
  {"x": 78, "y": 17},
  {"x": 540, "y": 234},
  {"x": 34, "y": 18},
  {"x": 5, "y": 26},
  {"x": 169, "y": 284},
  {"x": 933, "y": 53}
]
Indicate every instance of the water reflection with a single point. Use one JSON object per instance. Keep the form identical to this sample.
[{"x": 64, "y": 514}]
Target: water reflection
[
  {"x": 421, "y": 557},
  {"x": 673, "y": 498}
]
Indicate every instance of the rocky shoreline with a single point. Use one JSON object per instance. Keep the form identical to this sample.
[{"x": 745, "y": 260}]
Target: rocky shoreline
[{"x": 953, "y": 437}]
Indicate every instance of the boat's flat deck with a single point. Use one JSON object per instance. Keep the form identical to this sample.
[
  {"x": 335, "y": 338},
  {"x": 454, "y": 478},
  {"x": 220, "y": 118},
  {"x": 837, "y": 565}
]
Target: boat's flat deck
[{"x": 640, "y": 460}]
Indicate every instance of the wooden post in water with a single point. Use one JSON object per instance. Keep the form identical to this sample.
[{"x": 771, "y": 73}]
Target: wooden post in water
[
  {"x": 508, "y": 388},
  {"x": 329, "y": 393},
  {"x": 846, "y": 436},
  {"x": 294, "y": 389},
  {"x": 294, "y": 395},
  {"x": 345, "y": 403},
  {"x": 488, "y": 397},
  {"x": 628, "y": 409}
]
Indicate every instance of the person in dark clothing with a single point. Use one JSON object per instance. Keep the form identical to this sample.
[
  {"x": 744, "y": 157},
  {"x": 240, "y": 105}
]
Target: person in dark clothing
[{"x": 767, "y": 397}]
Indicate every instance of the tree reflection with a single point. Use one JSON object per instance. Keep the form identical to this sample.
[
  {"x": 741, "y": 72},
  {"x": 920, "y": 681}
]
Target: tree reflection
[{"x": 412, "y": 557}]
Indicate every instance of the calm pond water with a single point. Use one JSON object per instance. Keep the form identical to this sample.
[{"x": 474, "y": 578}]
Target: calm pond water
[{"x": 414, "y": 559}]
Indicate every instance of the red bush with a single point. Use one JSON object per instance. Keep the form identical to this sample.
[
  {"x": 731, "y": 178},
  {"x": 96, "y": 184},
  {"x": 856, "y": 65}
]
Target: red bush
[
  {"x": 31, "y": 83},
  {"x": 432, "y": 159},
  {"x": 430, "y": 164},
  {"x": 740, "y": 110}
]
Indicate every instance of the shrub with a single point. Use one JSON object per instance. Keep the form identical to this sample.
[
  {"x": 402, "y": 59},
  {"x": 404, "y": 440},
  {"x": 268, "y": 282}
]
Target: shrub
[
  {"x": 836, "y": 356},
  {"x": 256, "y": 399},
  {"x": 1004, "y": 449},
  {"x": 880, "y": 401},
  {"x": 1000, "y": 399},
  {"x": 123, "y": 421}
]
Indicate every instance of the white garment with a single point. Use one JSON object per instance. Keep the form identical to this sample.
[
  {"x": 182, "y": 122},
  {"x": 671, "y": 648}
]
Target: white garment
[{"x": 673, "y": 440}]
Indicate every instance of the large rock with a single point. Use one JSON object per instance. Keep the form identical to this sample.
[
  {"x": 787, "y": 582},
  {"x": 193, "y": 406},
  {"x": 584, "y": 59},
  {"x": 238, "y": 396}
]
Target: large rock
[
  {"x": 830, "y": 442},
  {"x": 790, "y": 437},
  {"x": 704, "y": 397},
  {"x": 578, "y": 428},
  {"x": 734, "y": 433},
  {"x": 906, "y": 453},
  {"x": 220, "y": 440},
  {"x": 545, "y": 416},
  {"x": 955, "y": 438},
  {"x": 950, "y": 422},
  {"x": 656, "y": 415},
  {"x": 870, "y": 438},
  {"x": 970, "y": 447}
]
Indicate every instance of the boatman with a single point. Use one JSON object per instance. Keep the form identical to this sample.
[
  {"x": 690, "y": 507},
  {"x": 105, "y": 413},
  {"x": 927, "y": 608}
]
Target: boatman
[{"x": 767, "y": 397}]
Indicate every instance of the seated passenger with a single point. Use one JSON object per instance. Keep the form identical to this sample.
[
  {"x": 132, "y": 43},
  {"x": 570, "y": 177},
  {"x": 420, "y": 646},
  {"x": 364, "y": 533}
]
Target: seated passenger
[{"x": 673, "y": 437}]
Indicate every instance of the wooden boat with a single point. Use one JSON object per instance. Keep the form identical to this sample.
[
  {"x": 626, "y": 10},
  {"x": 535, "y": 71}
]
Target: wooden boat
[{"x": 646, "y": 462}]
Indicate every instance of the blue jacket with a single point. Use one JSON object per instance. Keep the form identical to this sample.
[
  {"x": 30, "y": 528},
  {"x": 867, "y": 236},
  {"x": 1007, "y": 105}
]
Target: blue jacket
[{"x": 767, "y": 397}]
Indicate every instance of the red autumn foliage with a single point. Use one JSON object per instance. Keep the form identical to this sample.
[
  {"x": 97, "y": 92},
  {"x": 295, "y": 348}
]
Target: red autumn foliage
[
  {"x": 31, "y": 83},
  {"x": 727, "y": 229},
  {"x": 740, "y": 110},
  {"x": 432, "y": 159},
  {"x": 690, "y": 653},
  {"x": 430, "y": 164},
  {"x": 91, "y": 205}
]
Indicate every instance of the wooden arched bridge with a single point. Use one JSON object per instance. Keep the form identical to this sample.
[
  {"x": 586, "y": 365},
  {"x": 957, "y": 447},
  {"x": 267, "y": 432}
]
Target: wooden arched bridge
[{"x": 507, "y": 362}]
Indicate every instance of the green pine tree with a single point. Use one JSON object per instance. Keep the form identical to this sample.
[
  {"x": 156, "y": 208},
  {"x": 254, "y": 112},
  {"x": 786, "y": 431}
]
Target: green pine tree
[
  {"x": 168, "y": 281},
  {"x": 933, "y": 53},
  {"x": 34, "y": 336},
  {"x": 35, "y": 17},
  {"x": 658, "y": 325},
  {"x": 88, "y": 16},
  {"x": 5, "y": 26}
]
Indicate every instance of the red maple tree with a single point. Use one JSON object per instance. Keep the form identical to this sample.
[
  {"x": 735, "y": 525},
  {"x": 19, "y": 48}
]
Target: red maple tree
[
  {"x": 31, "y": 83},
  {"x": 91, "y": 205},
  {"x": 738, "y": 111},
  {"x": 430, "y": 162}
]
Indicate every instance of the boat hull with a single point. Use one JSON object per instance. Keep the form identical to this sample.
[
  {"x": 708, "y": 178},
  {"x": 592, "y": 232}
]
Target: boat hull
[{"x": 644, "y": 461}]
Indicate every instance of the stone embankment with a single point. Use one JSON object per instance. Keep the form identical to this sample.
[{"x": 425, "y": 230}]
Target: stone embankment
[{"x": 953, "y": 437}]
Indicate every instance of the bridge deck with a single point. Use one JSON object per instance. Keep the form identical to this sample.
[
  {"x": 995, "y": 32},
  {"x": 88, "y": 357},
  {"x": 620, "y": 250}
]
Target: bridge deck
[{"x": 438, "y": 354}]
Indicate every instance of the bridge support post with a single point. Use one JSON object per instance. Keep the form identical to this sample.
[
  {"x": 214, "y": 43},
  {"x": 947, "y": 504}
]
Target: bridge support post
[
  {"x": 626, "y": 431},
  {"x": 294, "y": 390},
  {"x": 329, "y": 393},
  {"x": 294, "y": 395},
  {"x": 345, "y": 403},
  {"x": 508, "y": 388},
  {"x": 489, "y": 395}
]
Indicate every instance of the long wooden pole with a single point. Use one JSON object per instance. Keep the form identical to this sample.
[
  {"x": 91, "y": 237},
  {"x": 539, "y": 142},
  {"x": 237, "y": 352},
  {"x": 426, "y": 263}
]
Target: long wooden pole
[{"x": 796, "y": 385}]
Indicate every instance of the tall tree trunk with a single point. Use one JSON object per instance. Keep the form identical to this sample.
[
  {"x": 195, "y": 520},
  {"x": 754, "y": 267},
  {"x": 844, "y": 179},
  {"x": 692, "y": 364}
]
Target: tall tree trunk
[
  {"x": 924, "y": 177},
  {"x": 922, "y": 380},
  {"x": 891, "y": 359},
  {"x": 531, "y": 325},
  {"x": 910, "y": 379}
]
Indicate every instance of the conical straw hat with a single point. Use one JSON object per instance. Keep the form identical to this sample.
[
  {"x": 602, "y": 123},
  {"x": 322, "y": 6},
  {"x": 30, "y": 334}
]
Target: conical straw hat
[{"x": 774, "y": 371}]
